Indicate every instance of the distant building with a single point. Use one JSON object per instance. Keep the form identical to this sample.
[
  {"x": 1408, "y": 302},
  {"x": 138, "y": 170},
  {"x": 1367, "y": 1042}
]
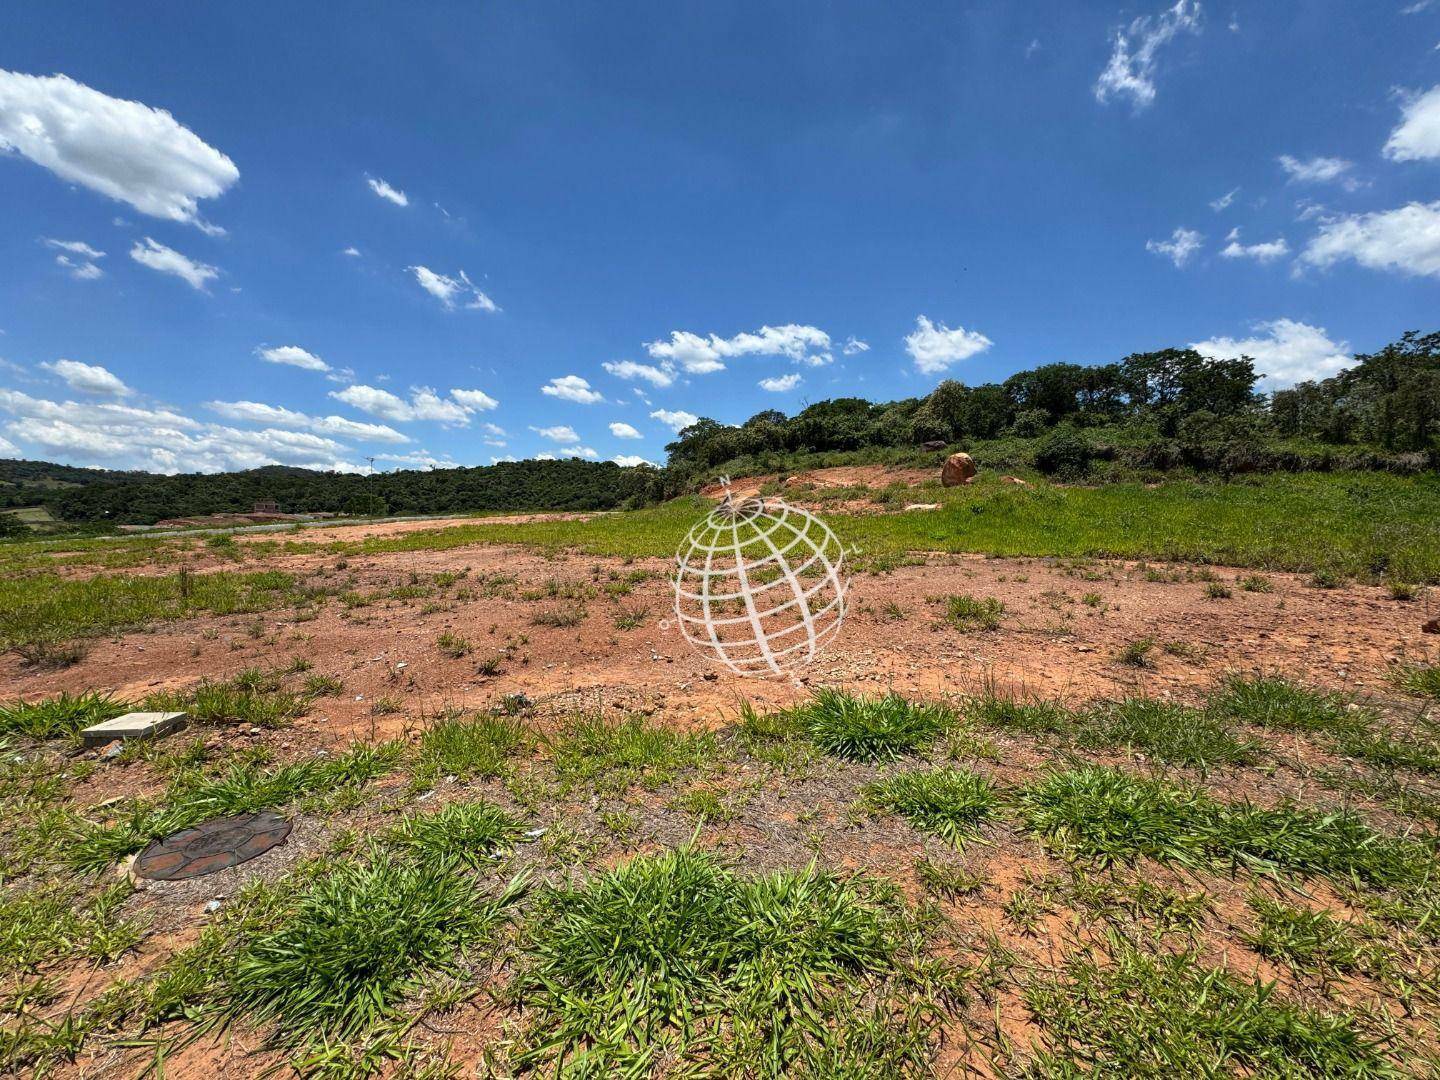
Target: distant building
[{"x": 266, "y": 506}]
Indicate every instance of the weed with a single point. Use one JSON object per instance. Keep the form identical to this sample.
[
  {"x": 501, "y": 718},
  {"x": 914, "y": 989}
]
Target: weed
[
  {"x": 945, "y": 880},
  {"x": 1421, "y": 679},
  {"x": 1256, "y": 583},
  {"x": 356, "y": 944},
  {"x": 868, "y": 729},
  {"x": 949, "y": 803},
  {"x": 966, "y": 613},
  {"x": 1305, "y": 939},
  {"x": 631, "y": 619},
  {"x": 1218, "y": 591},
  {"x": 1403, "y": 591},
  {"x": 50, "y": 653},
  {"x": 561, "y": 616},
  {"x": 1197, "y": 1020},
  {"x": 657, "y": 958},
  {"x": 386, "y": 706},
  {"x": 467, "y": 749},
  {"x": 616, "y": 754},
  {"x": 1325, "y": 578},
  {"x": 63, "y": 714},
  {"x": 1169, "y": 732},
  {"x": 470, "y": 833},
  {"x": 453, "y": 645},
  {"x": 323, "y": 686},
  {"x": 1137, "y": 653},
  {"x": 1032, "y": 718}
]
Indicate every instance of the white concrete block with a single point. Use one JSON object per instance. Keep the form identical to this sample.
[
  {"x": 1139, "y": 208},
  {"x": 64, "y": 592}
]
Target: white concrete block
[{"x": 135, "y": 725}]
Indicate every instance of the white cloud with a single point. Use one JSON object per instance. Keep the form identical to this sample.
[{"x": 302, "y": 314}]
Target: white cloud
[
  {"x": 1224, "y": 201},
  {"x": 452, "y": 291},
  {"x": 169, "y": 261},
  {"x": 498, "y": 460},
  {"x": 1417, "y": 138},
  {"x": 424, "y": 404},
  {"x": 934, "y": 348},
  {"x": 158, "y": 439},
  {"x": 1319, "y": 170},
  {"x": 579, "y": 451},
  {"x": 542, "y": 456},
  {"x": 778, "y": 384},
  {"x": 88, "y": 378},
  {"x": 476, "y": 400},
  {"x": 624, "y": 431},
  {"x": 8, "y": 448},
  {"x": 1285, "y": 352},
  {"x": 1405, "y": 240},
  {"x": 386, "y": 192},
  {"x": 1265, "y": 252},
  {"x": 629, "y": 461},
  {"x": 80, "y": 271},
  {"x": 561, "y": 433},
  {"x": 420, "y": 459},
  {"x": 294, "y": 356},
  {"x": 352, "y": 251},
  {"x": 493, "y": 429},
  {"x": 702, "y": 355},
  {"x": 677, "y": 420},
  {"x": 1417, "y": 7},
  {"x": 572, "y": 388},
  {"x": 854, "y": 345},
  {"x": 1180, "y": 248},
  {"x": 1132, "y": 66},
  {"x": 74, "y": 247},
  {"x": 256, "y": 412},
  {"x": 123, "y": 149},
  {"x": 663, "y": 375}
]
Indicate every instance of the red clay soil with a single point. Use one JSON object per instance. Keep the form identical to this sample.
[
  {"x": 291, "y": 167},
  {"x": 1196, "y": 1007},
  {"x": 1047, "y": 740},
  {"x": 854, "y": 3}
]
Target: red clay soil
[{"x": 1063, "y": 626}]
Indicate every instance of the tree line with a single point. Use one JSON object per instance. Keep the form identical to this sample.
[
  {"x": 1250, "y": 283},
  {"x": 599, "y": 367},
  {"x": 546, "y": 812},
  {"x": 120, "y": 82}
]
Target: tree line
[{"x": 1172, "y": 408}]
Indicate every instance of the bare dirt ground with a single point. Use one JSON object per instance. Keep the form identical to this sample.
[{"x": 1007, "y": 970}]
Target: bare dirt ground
[
  {"x": 1064, "y": 625},
  {"x": 1065, "y": 621}
]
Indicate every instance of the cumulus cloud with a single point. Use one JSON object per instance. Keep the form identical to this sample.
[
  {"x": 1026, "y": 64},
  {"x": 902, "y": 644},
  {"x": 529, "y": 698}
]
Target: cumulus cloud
[
  {"x": 475, "y": 400},
  {"x": 1180, "y": 248},
  {"x": 629, "y": 461},
  {"x": 424, "y": 404},
  {"x": 662, "y": 376},
  {"x": 1265, "y": 252},
  {"x": 386, "y": 192},
  {"x": 452, "y": 292},
  {"x": 624, "y": 431},
  {"x": 352, "y": 251},
  {"x": 1285, "y": 352},
  {"x": 935, "y": 347},
  {"x": 88, "y": 378},
  {"x": 158, "y": 439},
  {"x": 1135, "y": 53},
  {"x": 561, "y": 433},
  {"x": 702, "y": 355},
  {"x": 572, "y": 388},
  {"x": 1405, "y": 240},
  {"x": 1417, "y": 138},
  {"x": 677, "y": 420},
  {"x": 123, "y": 149},
  {"x": 1319, "y": 170},
  {"x": 169, "y": 261},
  {"x": 256, "y": 412},
  {"x": 778, "y": 384},
  {"x": 854, "y": 345},
  {"x": 292, "y": 355}
]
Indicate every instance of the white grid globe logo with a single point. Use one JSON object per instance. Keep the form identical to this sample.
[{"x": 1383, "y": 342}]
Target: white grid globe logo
[{"x": 760, "y": 584}]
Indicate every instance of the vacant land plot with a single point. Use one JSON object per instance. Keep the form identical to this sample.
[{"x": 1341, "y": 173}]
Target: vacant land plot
[{"x": 1041, "y": 813}]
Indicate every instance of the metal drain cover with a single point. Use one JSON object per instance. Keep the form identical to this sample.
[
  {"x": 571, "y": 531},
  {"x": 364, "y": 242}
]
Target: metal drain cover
[{"x": 215, "y": 845}]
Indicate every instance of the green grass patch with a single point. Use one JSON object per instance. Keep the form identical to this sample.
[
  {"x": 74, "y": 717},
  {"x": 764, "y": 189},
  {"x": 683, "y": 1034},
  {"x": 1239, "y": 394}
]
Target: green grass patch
[
  {"x": 1307, "y": 940},
  {"x": 673, "y": 958},
  {"x": 616, "y": 754},
  {"x": 1169, "y": 732},
  {"x": 860, "y": 728},
  {"x": 950, "y": 803},
  {"x": 968, "y": 613},
  {"x": 1132, "y": 1014},
  {"x": 46, "y": 607},
  {"x": 468, "y": 748},
  {"x": 469, "y": 833},
  {"x": 357, "y": 943},
  {"x": 64, "y": 714},
  {"x": 1419, "y": 679},
  {"x": 1115, "y": 817}
]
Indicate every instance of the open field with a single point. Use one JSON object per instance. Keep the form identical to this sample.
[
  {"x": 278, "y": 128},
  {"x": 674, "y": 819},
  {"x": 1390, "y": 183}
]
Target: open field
[{"x": 1155, "y": 793}]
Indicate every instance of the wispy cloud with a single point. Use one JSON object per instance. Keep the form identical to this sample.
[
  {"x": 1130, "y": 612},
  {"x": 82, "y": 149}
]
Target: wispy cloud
[{"x": 1134, "y": 55}]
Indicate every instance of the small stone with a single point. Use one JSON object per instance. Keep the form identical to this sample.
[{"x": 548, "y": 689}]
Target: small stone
[{"x": 212, "y": 906}]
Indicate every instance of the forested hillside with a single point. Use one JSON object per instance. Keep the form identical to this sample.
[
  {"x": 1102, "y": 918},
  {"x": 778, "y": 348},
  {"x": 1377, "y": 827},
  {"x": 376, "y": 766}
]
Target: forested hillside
[{"x": 1149, "y": 413}]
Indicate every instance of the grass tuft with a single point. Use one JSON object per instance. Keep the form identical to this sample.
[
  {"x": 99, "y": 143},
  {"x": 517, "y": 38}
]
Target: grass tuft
[
  {"x": 467, "y": 749},
  {"x": 950, "y": 803},
  {"x": 615, "y": 754},
  {"x": 868, "y": 729},
  {"x": 471, "y": 833},
  {"x": 63, "y": 714}
]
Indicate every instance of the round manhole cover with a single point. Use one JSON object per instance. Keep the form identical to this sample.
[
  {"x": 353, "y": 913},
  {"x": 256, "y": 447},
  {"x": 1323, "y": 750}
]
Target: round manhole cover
[{"x": 215, "y": 845}]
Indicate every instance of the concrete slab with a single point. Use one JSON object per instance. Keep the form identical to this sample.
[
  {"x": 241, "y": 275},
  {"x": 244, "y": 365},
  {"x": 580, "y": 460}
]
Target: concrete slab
[{"x": 135, "y": 725}]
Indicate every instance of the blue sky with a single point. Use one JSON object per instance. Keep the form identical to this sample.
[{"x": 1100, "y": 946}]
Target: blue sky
[{"x": 457, "y": 232}]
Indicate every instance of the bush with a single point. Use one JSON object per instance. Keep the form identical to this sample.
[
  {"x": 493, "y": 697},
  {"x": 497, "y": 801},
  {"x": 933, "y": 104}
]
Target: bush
[{"x": 1064, "y": 453}]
